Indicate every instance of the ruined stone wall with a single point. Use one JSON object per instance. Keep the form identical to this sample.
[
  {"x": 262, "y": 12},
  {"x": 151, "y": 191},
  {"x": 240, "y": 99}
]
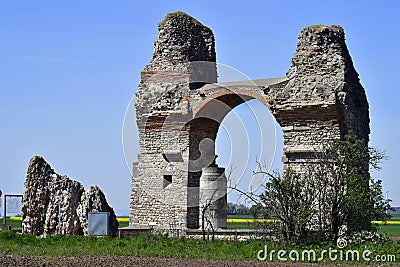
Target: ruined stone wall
[
  {"x": 44, "y": 188},
  {"x": 179, "y": 108},
  {"x": 183, "y": 59},
  {"x": 151, "y": 199},
  {"x": 181, "y": 39},
  {"x": 323, "y": 98}
]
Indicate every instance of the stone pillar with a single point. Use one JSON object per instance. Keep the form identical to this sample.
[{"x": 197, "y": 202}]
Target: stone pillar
[
  {"x": 164, "y": 189},
  {"x": 323, "y": 98},
  {"x": 213, "y": 196}
]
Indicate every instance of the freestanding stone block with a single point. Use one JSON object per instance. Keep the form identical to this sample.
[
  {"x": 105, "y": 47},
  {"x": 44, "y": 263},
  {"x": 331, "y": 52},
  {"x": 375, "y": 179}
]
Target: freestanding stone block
[
  {"x": 94, "y": 200},
  {"x": 40, "y": 207},
  {"x": 179, "y": 108}
]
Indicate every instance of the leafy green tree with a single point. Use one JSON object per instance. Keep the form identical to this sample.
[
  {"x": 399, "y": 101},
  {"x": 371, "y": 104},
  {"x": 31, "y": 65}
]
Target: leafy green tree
[
  {"x": 238, "y": 209},
  {"x": 335, "y": 192},
  {"x": 231, "y": 208},
  {"x": 289, "y": 199},
  {"x": 347, "y": 195}
]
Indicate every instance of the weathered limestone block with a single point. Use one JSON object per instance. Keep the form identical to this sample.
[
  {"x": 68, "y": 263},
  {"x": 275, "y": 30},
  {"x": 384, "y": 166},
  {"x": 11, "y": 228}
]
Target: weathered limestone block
[
  {"x": 68, "y": 192},
  {"x": 48, "y": 194},
  {"x": 36, "y": 196},
  {"x": 94, "y": 200}
]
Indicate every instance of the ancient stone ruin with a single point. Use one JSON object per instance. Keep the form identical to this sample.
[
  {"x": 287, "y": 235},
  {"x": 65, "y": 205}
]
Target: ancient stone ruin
[
  {"x": 180, "y": 105},
  {"x": 44, "y": 188}
]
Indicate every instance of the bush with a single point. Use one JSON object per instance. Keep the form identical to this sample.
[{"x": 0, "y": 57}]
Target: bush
[{"x": 334, "y": 193}]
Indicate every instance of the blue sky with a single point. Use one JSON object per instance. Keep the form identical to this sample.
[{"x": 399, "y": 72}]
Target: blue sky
[{"x": 68, "y": 70}]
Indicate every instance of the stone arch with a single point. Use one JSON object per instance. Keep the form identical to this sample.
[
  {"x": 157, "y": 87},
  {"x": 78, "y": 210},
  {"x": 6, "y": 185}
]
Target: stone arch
[
  {"x": 320, "y": 99},
  {"x": 210, "y": 111},
  {"x": 233, "y": 97},
  {"x": 208, "y": 115}
]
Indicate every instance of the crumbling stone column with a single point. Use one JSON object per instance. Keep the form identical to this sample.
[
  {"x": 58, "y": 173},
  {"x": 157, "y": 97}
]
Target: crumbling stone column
[
  {"x": 213, "y": 197},
  {"x": 164, "y": 187},
  {"x": 323, "y": 98}
]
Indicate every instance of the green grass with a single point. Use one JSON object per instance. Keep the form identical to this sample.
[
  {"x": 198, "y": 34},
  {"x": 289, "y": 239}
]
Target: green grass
[
  {"x": 234, "y": 216},
  {"x": 240, "y": 225},
  {"x": 123, "y": 224},
  {"x": 395, "y": 217},
  {"x": 12, "y": 223},
  {"x": 389, "y": 230},
  {"x": 160, "y": 246}
]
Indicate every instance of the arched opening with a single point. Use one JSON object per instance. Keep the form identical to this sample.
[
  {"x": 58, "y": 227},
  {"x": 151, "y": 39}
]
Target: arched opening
[
  {"x": 244, "y": 130},
  {"x": 248, "y": 135}
]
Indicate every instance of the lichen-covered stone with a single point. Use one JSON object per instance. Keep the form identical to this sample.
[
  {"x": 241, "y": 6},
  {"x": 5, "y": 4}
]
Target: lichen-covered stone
[
  {"x": 94, "y": 200},
  {"x": 183, "y": 59},
  {"x": 44, "y": 190},
  {"x": 322, "y": 73},
  {"x": 68, "y": 192},
  {"x": 323, "y": 98},
  {"x": 181, "y": 39},
  {"x": 36, "y": 196}
]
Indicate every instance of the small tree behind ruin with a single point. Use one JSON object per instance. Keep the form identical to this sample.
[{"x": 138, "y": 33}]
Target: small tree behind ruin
[{"x": 336, "y": 192}]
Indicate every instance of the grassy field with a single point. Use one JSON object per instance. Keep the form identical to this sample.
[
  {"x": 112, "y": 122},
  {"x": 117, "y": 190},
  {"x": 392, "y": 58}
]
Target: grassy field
[
  {"x": 161, "y": 246},
  {"x": 13, "y": 222},
  {"x": 395, "y": 217},
  {"x": 388, "y": 229},
  {"x": 123, "y": 222},
  {"x": 164, "y": 247}
]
